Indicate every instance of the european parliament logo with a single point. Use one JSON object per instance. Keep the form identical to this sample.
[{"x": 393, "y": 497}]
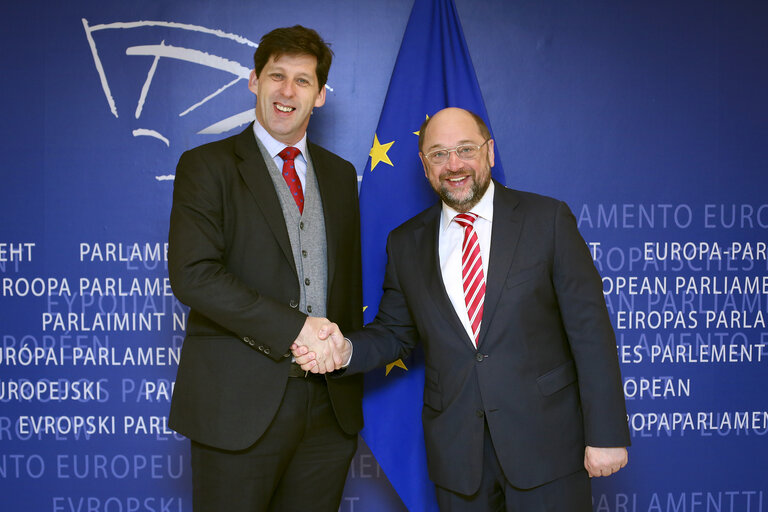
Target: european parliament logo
[{"x": 173, "y": 79}]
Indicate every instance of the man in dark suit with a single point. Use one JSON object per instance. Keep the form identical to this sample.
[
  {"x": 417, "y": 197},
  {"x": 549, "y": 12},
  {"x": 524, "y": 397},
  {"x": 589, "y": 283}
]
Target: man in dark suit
[
  {"x": 264, "y": 243},
  {"x": 522, "y": 394}
]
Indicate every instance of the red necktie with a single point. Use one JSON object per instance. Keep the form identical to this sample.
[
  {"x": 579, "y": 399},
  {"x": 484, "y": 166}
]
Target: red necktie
[
  {"x": 472, "y": 273},
  {"x": 288, "y": 155}
]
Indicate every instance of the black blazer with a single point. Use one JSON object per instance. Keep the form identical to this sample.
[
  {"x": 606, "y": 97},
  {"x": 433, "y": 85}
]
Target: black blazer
[
  {"x": 230, "y": 261},
  {"x": 546, "y": 373}
]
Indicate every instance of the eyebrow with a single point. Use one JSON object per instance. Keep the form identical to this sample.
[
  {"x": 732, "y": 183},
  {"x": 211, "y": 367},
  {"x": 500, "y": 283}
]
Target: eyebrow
[
  {"x": 461, "y": 143},
  {"x": 280, "y": 69}
]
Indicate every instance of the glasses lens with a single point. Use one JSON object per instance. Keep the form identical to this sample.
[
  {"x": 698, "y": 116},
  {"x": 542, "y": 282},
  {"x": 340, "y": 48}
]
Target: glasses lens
[
  {"x": 439, "y": 157},
  {"x": 467, "y": 152}
]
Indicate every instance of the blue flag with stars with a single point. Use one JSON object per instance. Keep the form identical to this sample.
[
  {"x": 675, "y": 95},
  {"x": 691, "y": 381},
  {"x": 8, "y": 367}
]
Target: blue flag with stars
[{"x": 433, "y": 71}]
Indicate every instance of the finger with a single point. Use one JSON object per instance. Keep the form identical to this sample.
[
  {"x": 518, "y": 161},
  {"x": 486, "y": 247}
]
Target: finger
[
  {"x": 304, "y": 359},
  {"x": 337, "y": 338},
  {"x": 328, "y": 364},
  {"x": 329, "y": 330},
  {"x": 299, "y": 350},
  {"x": 337, "y": 359},
  {"x": 307, "y": 367},
  {"x": 327, "y": 355},
  {"x": 606, "y": 471}
]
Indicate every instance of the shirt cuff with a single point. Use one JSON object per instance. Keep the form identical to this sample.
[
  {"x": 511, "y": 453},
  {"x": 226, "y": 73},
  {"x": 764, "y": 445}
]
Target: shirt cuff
[{"x": 351, "y": 350}]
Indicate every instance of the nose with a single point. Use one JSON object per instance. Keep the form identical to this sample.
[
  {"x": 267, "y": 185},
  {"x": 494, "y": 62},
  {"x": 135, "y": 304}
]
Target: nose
[
  {"x": 288, "y": 89},
  {"x": 454, "y": 162}
]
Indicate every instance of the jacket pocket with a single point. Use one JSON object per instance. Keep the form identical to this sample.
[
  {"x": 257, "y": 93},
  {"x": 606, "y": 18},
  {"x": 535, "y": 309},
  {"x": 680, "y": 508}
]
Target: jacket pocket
[
  {"x": 557, "y": 378},
  {"x": 522, "y": 276}
]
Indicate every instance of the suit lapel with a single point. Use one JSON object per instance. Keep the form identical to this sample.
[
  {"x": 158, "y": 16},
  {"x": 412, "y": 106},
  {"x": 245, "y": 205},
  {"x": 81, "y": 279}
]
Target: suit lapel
[
  {"x": 505, "y": 234},
  {"x": 426, "y": 244},
  {"x": 256, "y": 177}
]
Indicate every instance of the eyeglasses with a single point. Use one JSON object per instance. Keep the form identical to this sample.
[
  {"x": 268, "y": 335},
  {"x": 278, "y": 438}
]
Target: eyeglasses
[{"x": 463, "y": 151}]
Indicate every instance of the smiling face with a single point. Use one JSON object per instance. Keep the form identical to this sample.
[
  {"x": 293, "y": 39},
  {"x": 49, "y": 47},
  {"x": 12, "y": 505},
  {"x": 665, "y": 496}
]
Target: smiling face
[
  {"x": 459, "y": 183},
  {"x": 287, "y": 89}
]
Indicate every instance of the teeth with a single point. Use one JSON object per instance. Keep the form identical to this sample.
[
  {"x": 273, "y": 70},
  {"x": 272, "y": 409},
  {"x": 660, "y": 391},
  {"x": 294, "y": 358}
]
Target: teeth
[{"x": 284, "y": 109}]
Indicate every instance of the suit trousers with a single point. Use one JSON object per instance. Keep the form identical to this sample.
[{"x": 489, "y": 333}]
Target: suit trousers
[
  {"x": 299, "y": 464},
  {"x": 571, "y": 493}
]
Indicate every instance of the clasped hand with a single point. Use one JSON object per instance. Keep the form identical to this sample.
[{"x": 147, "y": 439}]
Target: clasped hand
[{"x": 320, "y": 346}]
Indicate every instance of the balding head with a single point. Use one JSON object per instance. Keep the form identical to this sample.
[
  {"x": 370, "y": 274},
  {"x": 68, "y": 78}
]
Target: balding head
[{"x": 449, "y": 115}]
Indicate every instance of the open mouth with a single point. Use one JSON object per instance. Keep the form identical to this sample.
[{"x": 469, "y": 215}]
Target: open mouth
[
  {"x": 284, "y": 108},
  {"x": 456, "y": 179}
]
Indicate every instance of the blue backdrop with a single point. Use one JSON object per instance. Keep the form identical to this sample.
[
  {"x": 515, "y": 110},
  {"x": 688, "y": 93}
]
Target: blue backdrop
[{"x": 649, "y": 118}]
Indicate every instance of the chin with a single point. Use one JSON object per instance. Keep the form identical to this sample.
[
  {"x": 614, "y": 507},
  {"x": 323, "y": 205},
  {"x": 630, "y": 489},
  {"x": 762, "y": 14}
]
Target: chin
[{"x": 460, "y": 204}]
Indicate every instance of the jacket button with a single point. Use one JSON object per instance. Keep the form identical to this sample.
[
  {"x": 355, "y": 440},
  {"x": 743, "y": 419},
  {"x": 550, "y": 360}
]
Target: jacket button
[
  {"x": 479, "y": 413},
  {"x": 479, "y": 357},
  {"x": 267, "y": 350},
  {"x": 293, "y": 303}
]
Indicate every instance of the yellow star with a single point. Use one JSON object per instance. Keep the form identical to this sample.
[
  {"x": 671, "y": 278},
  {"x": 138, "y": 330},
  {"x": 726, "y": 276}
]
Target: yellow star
[
  {"x": 399, "y": 363},
  {"x": 417, "y": 131},
  {"x": 379, "y": 152}
]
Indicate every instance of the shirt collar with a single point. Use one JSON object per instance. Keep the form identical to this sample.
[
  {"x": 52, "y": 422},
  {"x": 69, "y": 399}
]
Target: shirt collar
[
  {"x": 483, "y": 209},
  {"x": 273, "y": 145}
]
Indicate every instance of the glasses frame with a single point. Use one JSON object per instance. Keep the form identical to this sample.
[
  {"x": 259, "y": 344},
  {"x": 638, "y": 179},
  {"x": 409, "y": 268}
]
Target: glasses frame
[{"x": 454, "y": 149}]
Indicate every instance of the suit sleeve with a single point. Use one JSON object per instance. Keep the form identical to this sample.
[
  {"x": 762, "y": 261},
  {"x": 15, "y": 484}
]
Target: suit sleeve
[
  {"x": 593, "y": 344},
  {"x": 392, "y": 334},
  {"x": 198, "y": 274}
]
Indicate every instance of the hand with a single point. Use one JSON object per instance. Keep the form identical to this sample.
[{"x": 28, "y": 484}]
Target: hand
[
  {"x": 320, "y": 346},
  {"x": 604, "y": 461}
]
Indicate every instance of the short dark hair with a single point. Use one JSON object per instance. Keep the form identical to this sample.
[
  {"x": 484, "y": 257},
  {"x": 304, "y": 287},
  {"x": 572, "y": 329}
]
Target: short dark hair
[
  {"x": 484, "y": 131},
  {"x": 296, "y": 40}
]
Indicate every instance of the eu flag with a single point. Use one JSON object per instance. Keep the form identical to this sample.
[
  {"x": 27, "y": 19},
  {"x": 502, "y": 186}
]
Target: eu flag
[{"x": 433, "y": 71}]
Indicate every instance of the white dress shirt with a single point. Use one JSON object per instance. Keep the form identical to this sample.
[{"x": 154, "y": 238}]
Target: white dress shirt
[
  {"x": 274, "y": 147},
  {"x": 450, "y": 241}
]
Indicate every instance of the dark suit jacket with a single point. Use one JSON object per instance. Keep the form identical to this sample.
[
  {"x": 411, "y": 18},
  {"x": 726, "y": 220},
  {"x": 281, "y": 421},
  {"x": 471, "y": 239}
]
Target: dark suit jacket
[
  {"x": 546, "y": 374},
  {"x": 230, "y": 261}
]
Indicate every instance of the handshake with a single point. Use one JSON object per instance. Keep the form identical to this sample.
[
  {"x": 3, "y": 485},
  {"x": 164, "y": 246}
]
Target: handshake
[{"x": 320, "y": 346}]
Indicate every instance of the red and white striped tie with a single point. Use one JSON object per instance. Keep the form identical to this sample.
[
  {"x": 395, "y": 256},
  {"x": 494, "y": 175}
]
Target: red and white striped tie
[{"x": 472, "y": 272}]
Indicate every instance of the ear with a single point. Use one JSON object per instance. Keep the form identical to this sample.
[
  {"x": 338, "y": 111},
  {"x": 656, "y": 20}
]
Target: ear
[
  {"x": 253, "y": 82},
  {"x": 424, "y": 164},
  {"x": 491, "y": 154},
  {"x": 320, "y": 100}
]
